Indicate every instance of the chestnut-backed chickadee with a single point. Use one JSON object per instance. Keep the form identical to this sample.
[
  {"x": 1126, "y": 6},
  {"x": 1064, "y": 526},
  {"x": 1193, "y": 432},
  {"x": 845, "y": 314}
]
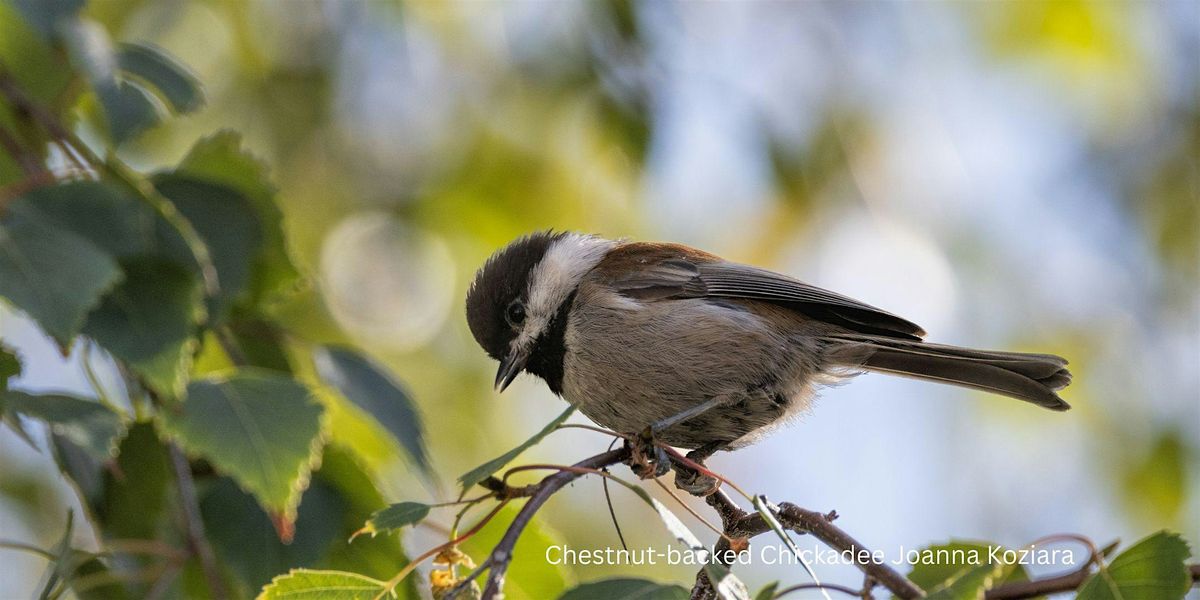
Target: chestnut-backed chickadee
[{"x": 709, "y": 353}]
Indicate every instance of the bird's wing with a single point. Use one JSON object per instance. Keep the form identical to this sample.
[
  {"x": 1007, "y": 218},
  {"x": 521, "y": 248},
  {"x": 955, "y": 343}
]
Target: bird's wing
[{"x": 704, "y": 276}]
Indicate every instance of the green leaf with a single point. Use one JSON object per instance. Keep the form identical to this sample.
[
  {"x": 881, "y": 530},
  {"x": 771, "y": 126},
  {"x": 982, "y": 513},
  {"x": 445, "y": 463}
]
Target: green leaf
[
  {"x": 244, "y": 537},
  {"x": 962, "y": 570},
  {"x": 38, "y": 68},
  {"x": 305, "y": 584},
  {"x": 1152, "y": 569},
  {"x": 227, "y": 223},
  {"x": 478, "y": 474},
  {"x": 135, "y": 495},
  {"x": 262, "y": 342},
  {"x": 9, "y": 367},
  {"x": 54, "y": 275},
  {"x": 261, "y": 429},
  {"x": 221, "y": 159},
  {"x": 83, "y": 469},
  {"x": 161, "y": 73},
  {"x": 60, "y": 568},
  {"x": 337, "y": 502},
  {"x": 103, "y": 214},
  {"x": 768, "y": 591},
  {"x": 381, "y": 556},
  {"x": 626, "y": 589},
  {"x": 372, "y": 389},
  {"x": 129, "y": 110},
  {"x": 148, "y": 321},
  {"x": 395, "y": 517},
  {"x": 87, "y": 424},
  {"x": 93, "y": 580}
]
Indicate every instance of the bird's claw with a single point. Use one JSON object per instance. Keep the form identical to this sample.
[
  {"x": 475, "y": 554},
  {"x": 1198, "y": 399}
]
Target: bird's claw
[
  {"x": 695, "y": 482},
  {"x": 648, "y": 460}
]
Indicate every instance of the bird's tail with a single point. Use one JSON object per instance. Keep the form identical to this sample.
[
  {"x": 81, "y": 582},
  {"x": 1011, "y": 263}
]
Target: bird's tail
[{"x": 1029, "y": 377}]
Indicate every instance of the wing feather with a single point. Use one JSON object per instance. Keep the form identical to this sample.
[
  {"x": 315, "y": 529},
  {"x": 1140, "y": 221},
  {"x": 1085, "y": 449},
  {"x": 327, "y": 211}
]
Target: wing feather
[{"x": 678, "y": 277}]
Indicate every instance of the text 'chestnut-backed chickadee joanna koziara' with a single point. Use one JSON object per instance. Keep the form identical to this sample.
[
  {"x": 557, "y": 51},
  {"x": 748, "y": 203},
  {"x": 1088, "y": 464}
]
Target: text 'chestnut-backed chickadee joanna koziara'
[{"x": 664, "y": 340}]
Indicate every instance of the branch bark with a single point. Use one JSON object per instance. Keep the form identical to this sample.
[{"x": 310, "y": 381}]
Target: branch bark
[
  {"x": 1067, "y": 582},
  {"x": 741, "y": 525},
  {"x": 194, "y": 524},
  {"x": 738, "y": 525},
  {"x": 502, "y": 554}
]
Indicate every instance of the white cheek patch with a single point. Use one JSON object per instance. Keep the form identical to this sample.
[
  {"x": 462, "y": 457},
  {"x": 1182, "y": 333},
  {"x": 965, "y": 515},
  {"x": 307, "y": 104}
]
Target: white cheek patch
[{"x": 566, "y": 261}]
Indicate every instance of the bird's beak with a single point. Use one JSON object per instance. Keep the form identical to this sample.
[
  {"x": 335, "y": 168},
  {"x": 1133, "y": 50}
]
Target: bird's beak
[{"x": 510, "y": 367}]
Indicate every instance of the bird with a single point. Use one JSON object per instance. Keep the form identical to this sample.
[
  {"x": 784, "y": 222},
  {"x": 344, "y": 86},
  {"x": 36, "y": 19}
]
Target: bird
[{"x": 668, "y": 343}]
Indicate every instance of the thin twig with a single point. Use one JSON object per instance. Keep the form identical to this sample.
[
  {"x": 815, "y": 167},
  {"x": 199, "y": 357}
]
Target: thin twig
[
  {"x": 232, "y": 347},
  {"x": 699, "y": 468},
  {"x": 29, "y": 162},
  {"x": 197, "y": 540},
  {"x": 739, "y": 524},
  {"x": 412, "y": 565},
  {"x": 593, "y": 428},
  {"x": 612, "y": 512},
  {"x": 30, "y": 548},
  {"x": 1020, "y": 590},
  {"x": 688, "y": 508},
  {"x": 163, "y": 584},
  {"x": 502, "y": 554}
]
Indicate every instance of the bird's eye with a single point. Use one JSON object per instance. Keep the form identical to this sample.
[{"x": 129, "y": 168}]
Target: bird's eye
[{"x": 515, "y": 313}]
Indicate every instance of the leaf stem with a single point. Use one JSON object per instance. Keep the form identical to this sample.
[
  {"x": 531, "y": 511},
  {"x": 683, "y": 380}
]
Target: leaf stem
[
  {"x": 197, "y": 540},
  {"x": 30, "y": 548},
  {"x": 94, "y": 381}
]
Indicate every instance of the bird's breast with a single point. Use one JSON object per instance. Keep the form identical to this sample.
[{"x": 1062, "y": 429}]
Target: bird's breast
[{"x": 628, "y": 364}]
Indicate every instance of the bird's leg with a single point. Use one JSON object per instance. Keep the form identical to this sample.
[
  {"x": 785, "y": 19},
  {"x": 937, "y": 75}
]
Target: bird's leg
[
  {"x": 648, "y": 460},
  {"x": 692, "y": 481}
]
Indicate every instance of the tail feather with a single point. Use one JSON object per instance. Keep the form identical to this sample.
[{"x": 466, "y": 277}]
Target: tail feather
[{"x": 1029, "y": 377}]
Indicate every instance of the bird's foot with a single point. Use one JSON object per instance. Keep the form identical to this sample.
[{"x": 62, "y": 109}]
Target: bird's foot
[
  {"x": 692, "y": 480},
  {"x": 695, "y": 482},
  {"x": 647, "y": 459}
]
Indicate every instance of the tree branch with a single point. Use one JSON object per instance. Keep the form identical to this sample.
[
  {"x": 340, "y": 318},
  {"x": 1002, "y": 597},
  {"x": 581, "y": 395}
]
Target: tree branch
[
  {"x": 1020, "y": 590},
  {"x": 29, "y": 163},
  {"x": 197, "y": 540},
  {"x": 738, "y": 527},
  {"x": 741, "y": 525},
  {"x": 502, "y": 554}
]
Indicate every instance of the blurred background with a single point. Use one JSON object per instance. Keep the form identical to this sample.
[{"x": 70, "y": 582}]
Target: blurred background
[{"x": 1009, "y": 175}]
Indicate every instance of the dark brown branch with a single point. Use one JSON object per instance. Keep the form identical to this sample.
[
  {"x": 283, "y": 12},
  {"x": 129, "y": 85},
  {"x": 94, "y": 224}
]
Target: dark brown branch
[
  {"x": 1067, "y": 582},
  {"x": 740, "y": 525},
  {"x": 502, "y": 554},
  {"x": 194, "y": 524},
  {"x": 30, "y": 164},
  {"x": 229, "y": 343}
]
